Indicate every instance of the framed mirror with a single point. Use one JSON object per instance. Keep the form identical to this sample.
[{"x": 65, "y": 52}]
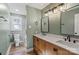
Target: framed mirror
[
  {"x": 70, "y": 21},
  {"x": 45, "y": 24}
]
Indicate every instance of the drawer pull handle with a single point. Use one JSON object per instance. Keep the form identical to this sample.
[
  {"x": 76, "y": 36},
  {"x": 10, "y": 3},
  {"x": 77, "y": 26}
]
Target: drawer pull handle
[
  {"x": 55, "y": 49},
  {"x": 37, "y": 40}
]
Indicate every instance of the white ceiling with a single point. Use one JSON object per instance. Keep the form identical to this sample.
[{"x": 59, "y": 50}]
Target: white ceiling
[
  {"x": 20, "y": 8},
  {"x": 38, "y": 5}
]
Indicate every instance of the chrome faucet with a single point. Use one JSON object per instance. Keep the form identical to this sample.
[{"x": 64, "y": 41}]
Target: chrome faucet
[{"x": 68, "y": 37}]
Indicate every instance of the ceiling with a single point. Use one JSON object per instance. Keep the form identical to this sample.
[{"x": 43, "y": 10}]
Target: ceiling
[
  {"x": 38, "y": 5},
  {"x": 20, "y": 8}
]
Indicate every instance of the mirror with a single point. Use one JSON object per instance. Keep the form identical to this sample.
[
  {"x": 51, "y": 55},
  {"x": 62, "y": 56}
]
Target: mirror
[
  {"x": 70, "y": 21},
  {"x": 45, "y": 24}
]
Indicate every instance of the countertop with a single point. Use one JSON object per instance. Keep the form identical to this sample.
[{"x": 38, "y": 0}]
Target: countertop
[{"x": 52, "y": 38}]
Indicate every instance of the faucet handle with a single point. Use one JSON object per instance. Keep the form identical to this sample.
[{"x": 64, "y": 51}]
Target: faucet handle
[
  {"x": 74, "y": 41},
  {"x": 65, "y": 39},
  {"x": 69, "y": 40}
]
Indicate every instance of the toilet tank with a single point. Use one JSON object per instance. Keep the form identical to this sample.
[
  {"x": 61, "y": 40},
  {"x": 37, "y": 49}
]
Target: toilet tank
[{"x": 16, "y": 36}]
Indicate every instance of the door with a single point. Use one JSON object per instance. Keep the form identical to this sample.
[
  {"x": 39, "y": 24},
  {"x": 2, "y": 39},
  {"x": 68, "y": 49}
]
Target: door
[{"x": 18, "y": 26}]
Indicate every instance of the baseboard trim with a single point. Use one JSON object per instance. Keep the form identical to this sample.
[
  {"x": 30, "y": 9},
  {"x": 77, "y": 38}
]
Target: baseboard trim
[
  {"x": 30, "y": 49},
  {"x": 7, "y": 53}
]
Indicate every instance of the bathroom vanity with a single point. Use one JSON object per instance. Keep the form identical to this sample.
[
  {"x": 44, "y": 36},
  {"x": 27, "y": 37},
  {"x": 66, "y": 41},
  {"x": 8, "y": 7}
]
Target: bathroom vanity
[
  {"x": 48, "y": 45},
  {"x": 52, "y": 44}
]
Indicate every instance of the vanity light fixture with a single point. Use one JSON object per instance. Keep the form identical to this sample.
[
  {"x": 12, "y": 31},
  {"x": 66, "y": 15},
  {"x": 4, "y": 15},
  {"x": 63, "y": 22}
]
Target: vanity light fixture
[
  {"x": 63, "y": 8},
  {"x": 46, "y": 14},
  {"x": 50, "y": 12},
  {"x": 56, "y": 9}
]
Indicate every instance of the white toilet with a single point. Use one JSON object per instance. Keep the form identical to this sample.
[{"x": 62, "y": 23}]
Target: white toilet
[{"x": 17, "y": 39}]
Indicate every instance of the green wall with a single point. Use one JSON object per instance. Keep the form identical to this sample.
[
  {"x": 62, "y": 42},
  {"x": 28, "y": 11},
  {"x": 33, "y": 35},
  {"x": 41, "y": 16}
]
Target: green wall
[
  {"x": 4, "y": 41},
  {"x": 33, "y": 15},
  {"x": 4, "y": 31}
]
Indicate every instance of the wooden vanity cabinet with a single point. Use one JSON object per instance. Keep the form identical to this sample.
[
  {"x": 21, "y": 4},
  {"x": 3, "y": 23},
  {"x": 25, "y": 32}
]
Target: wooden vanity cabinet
[
  {"x": 42, "y": 47},
  {"x": 39, "y": 45},
  {"x": 52, "y": 49}
]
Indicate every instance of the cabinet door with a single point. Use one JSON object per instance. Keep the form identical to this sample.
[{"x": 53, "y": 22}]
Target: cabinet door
[
  {"x": 51, "y": 49},
  {"x": 39, "y": 46},
  {"x": 35, "y": 44},
  {"x": 42, "y": 46},
  {"x": 35, "y": 41}
]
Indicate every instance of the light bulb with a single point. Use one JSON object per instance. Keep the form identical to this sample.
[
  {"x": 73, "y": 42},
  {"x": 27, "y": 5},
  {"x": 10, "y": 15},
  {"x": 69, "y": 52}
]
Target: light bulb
[
  {"x": 50, "y": 12},
  {"x": 46, "y": 14},
  {"x": 55, "y": 11}
]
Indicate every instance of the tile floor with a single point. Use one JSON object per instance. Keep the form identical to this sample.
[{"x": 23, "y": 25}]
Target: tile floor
[{"x": 21, "y": 50}]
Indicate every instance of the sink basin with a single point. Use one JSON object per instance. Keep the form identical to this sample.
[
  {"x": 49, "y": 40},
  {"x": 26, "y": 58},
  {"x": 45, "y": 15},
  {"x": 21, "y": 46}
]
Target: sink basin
[
  {"x": 69, "y": 44},
  {"x": 44, "y": 34}
]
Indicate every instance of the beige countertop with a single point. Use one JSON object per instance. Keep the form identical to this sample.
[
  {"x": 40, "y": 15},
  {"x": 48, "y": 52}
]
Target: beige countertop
[{"x": 52, "y": 38}]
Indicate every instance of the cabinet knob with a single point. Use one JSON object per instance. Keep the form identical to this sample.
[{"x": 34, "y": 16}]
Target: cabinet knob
[
  {"x": 55, "y": 49},
  {"x": 37, "y": 40}
]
